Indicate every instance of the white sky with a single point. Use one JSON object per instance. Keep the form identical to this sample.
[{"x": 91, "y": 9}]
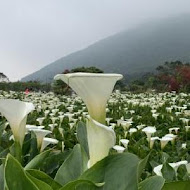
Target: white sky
[{"x": 34, "y": 33}]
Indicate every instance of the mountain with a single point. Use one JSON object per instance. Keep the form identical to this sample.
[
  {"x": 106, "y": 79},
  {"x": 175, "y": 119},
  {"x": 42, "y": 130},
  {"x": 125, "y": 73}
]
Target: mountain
[{"x": 132, "y": 53}]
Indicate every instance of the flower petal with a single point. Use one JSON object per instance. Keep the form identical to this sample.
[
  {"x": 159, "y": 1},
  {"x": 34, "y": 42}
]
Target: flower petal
[{"x": 100, "y": 140}]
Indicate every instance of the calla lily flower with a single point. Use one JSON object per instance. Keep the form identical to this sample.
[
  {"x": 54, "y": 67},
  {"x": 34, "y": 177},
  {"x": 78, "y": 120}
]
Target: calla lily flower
[
  {"x": 119, "y": 149},
  {"x": 46, "y": 141},
  {"x": 158, "y": 169},
  {"x": 16, "y": 112},
  {"x": 40, "y": 134},
  {"x": 94, "y": 89},
  {"x": 149, "y": 131},
  {"x": 125, "y": 142},
  {"x": 100, "y": 139}
]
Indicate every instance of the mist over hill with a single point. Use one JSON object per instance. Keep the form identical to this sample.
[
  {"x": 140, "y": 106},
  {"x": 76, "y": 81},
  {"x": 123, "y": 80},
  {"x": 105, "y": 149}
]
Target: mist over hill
[{"x": 132, "y": 53}]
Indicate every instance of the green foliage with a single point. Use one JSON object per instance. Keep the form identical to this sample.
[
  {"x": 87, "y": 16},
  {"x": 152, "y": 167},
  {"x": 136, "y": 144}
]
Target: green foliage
[
  {"x": 172, "y": 75},
  {"x": 22, "y": 86},
  {"x": 87, "y": 70},
  {"x": 113, "y": 171},
  {"x": 72, "y": 168},
  {"x": 152, "y": 183},
  {"x": 17, "y": 180}
]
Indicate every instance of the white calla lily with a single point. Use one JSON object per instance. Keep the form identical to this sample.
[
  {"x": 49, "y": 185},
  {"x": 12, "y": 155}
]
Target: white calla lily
[
  {"x": 119, "y": 149},
  {"x": 94, "y": 89},
  {"x": 46, "y": 141},
  {"x": 16, "y": 112},
  {"x": 100, "y": 139},
  {"x": 40, "y": 134}
]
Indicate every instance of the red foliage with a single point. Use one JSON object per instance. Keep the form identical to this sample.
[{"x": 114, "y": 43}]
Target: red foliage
[
  {"x": 66, "y": 71},
  {"x": 174, "y": 85},
  {"x": 180, "y": 78},
  {"x": 184, "y": 73}
]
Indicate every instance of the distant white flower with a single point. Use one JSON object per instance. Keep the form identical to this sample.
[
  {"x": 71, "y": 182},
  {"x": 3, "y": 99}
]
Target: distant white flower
[
  {"x": 149, "y": 131},
  {"x": 184, "y": 146},
  {"x": 40, "y": 134},
  {"x": 173, "y": 129},
  {"x": 125, "y": 142},
  {"x": 164, "y": 141},
  {"x": 40, "y": 120},
  {"x": 126, "y": 124},
  {"x": 29, "y": 127},
  {"x": 157, "y": 169},
  {"x": 139, "y": 127},
  {"x": 119, "y": 149},
  {"x": 152, "y": 140},
  {"x": 132, "y": 130},
  {"x": 47, "y": 141}
]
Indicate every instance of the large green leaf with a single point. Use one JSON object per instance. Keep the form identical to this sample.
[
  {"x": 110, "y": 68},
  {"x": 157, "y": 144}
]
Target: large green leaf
[
  {"x": 1, "y": 176},
  {"x": 178, "y": 185},
  {"x": 45, "y": 178},
  {"x": 36, "y": 162},
  {"x": 29, "y": 148},
  {"x": 168, "y": 172},
  {"x": 40, "y": 184},
  {"x": 152, "y": 183},
  {"x": 72, "y": 168},
  {"x": 80, "y": 185},
  {"x": 15, "y": 176},
  {"x": 142, "y": 165},
  {"x": 117, "y": 171},
  {"x": 82, "y": 136}
]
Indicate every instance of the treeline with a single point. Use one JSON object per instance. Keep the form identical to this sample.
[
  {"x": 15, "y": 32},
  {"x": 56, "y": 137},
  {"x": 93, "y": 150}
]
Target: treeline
[
  {"x": 172, "y": 76},
  {"x": 22, "y": 86},
  {"x": 58, "y": 86}
]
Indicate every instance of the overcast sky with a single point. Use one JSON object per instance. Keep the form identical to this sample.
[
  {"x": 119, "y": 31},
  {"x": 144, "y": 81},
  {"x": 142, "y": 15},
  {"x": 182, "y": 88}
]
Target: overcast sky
[{"x": 34, "y": 33}]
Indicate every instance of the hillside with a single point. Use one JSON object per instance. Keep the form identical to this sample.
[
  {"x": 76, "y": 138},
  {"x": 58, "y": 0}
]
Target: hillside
[{"x": 133, "y": 52}]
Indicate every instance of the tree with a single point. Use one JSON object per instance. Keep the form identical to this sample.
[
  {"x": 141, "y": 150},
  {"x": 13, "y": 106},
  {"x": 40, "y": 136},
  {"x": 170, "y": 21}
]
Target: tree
[
  {"x": 176, "y": 75},
  {"x": 87, "y": 70},
  {"x": 3, "y": 78}
]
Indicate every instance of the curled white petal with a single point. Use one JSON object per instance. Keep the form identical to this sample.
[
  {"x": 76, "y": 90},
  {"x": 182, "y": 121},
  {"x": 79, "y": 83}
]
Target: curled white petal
[{"x": 100, "y": 139}]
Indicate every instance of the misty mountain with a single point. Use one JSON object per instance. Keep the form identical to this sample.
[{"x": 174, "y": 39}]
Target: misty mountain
[{"x": 132, "y": 53}]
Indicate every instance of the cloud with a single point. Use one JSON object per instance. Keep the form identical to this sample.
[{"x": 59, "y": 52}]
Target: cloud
[{"x": 36, "y": 33}]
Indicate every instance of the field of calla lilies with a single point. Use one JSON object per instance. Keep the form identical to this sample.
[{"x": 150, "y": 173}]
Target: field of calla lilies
[{"x": 94, "y": 139}]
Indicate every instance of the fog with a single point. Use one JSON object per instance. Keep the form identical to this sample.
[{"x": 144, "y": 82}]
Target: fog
[{"x": 35, "y": 33}]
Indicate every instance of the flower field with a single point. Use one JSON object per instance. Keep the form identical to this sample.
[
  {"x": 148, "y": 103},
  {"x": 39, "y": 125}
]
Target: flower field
[{"x": 94, "y": 139}]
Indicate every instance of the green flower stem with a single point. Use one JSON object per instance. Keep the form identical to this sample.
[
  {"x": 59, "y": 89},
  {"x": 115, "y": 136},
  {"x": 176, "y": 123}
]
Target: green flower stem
[{"x": 18, "y": 151}]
